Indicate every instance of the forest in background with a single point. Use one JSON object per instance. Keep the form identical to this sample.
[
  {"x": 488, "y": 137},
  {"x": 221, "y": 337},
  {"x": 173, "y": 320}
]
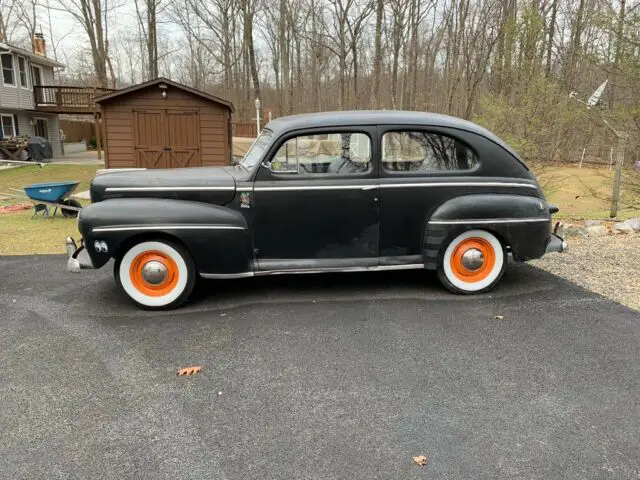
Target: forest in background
[{"x": 506, "y": 64}]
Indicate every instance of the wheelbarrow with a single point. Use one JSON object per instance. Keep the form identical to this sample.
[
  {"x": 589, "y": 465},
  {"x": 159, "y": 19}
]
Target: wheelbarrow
[{"x": 53, "y": 194}]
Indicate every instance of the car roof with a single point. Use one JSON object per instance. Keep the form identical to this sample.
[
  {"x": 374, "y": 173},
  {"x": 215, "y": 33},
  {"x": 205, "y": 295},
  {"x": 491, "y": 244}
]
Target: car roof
[{"x": 380, "y": 117}]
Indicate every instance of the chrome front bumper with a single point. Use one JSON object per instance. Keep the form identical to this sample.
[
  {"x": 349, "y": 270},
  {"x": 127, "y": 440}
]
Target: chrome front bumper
[{"x": 78, "y": 259}]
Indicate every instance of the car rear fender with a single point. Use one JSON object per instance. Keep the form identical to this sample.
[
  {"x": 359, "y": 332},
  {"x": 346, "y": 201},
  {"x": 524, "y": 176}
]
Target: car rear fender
[
  {"x": 217, "y": 237},
  {"x": 522, "y": 223}
]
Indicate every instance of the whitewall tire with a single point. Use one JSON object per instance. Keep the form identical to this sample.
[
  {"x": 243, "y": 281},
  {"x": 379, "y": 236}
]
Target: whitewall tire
[
  {"x": 156, "y": 274},
  {"x": 473, "y": 262}
]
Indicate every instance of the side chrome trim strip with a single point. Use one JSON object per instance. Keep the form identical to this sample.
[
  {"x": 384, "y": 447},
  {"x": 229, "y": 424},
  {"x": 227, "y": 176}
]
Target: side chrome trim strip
[
  {"x": 222, "y": 276},
  {"x": 169, "y": 188},
  {"x": 483, "y": 221},
  {"x": 394, "y": 185},
  {"x": 413, "y": 266},
  {"x": 316, "y": 187},
  {"x": 458, "y": 184},
  {"x": 125, "y": 228}
]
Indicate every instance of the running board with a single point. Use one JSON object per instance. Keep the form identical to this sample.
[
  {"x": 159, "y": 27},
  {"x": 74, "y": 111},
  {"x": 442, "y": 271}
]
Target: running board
[{"x": 375, "y": 268}]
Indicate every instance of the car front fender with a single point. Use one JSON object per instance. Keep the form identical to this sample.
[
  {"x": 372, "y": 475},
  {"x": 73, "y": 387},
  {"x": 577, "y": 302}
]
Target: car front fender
[{"x": 217, "y": 237}]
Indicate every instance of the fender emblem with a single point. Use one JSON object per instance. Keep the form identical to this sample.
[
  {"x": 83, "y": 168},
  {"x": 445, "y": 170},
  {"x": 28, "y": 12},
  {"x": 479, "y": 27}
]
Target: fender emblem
[{"x": 245, "y": 199}]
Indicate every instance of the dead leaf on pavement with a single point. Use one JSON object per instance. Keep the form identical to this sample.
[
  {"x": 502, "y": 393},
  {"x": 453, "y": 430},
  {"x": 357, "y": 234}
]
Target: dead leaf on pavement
[
  {"x": 421, "y": 460},
  {"x": 499, "y": 317},
  {"x": 189, "y": 370}
]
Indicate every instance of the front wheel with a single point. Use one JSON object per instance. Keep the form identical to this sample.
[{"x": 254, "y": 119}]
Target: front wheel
[
  {"x": 156, "y": 275},
  {"x": 473, "y": 262}
]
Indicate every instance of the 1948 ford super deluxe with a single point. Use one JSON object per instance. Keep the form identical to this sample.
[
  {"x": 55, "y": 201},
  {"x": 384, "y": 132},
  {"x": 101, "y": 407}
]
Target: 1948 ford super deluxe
[{"x": 340, "y": 191}]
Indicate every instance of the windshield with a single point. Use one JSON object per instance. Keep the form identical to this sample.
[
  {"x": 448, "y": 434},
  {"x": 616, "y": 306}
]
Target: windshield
[{"x": 257, "y": 150}]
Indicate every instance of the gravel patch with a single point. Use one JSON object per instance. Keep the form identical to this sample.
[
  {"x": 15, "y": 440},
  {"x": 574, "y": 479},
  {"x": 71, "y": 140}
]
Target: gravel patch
[{"x": 606, "y": 265}]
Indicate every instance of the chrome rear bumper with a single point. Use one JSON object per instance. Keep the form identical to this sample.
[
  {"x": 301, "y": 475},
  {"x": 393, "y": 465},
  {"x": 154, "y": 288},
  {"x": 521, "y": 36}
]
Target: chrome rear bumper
[{"x": 78, "y": 258}]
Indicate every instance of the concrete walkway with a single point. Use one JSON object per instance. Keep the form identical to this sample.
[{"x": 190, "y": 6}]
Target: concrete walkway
[{"x": 79, "y": 158}]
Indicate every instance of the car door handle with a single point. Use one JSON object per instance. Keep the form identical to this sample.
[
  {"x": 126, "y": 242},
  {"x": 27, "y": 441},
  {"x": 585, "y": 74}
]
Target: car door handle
[{"x": 369, "y": 187}]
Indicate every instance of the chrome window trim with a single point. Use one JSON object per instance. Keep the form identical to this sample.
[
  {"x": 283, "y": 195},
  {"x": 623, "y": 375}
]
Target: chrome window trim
[
  {"x": 162, "y": 189},
  {"x": 485, "y": 221},
  {"x": 125, "y": 228}
]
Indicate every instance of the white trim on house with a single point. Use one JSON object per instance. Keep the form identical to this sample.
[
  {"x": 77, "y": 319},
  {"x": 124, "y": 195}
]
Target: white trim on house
[
  {"x": 26, "y": 72},
  {"x": 13, "y": 123},
  {"x": 13, "y": 69}
]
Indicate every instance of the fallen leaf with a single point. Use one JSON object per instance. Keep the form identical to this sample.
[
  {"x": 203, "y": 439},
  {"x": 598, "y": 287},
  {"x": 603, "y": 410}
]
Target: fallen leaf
[
  {"x": 189, "y": 370},
  {"x": 499, "y": 317},
  {"x": 421, "y": 460}
]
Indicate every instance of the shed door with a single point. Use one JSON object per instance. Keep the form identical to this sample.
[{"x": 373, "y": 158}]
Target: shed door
[
  {"x": 183, "y": 132},
  {"x": 167, "y": 138},
  {"x": 150, "y": 135}
]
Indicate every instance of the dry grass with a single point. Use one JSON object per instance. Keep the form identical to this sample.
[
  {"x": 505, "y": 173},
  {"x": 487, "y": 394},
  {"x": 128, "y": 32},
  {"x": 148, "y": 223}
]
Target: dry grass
[
  {"x": 580, "y": 193},
  {"x": 585, "y": 193}
]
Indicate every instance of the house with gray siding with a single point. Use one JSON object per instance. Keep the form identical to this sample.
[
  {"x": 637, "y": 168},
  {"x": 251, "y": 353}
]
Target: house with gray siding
[{"x": 22, "y": 72}]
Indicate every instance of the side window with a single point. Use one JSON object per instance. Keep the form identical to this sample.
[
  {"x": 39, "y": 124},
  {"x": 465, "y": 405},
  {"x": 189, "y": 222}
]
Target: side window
[
  {"x": 423, "y": 152},
  {"x": 335, "y": 153}
]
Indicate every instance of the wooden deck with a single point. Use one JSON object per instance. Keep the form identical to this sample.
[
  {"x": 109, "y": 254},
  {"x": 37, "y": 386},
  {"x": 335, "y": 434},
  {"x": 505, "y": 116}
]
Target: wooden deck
[{"x": 59, "y": 99}]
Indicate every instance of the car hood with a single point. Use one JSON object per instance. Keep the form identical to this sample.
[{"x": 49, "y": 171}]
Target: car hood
[{"x": 208, "y": 184}]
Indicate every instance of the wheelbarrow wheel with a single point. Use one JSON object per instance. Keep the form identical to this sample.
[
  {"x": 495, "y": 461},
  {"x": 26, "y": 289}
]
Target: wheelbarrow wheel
[{"x": 67, "y": 212}]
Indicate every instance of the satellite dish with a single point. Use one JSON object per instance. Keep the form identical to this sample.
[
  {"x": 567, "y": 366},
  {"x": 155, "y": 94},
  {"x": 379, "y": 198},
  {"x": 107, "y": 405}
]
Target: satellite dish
[{"x": 595, "y": 97}]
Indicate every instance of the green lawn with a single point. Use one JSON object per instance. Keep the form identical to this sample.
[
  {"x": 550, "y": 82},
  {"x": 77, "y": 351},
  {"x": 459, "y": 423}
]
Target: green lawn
[{"x": 581, "y": 193}]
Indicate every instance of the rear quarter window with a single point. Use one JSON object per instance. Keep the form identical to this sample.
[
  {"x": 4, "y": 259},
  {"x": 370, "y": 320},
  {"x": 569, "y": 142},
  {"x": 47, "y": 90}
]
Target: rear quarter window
[{"x": 424, "y": 152}]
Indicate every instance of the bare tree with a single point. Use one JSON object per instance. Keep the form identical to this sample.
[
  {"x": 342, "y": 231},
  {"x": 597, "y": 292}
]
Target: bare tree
[{"x": 92, "y": 15}]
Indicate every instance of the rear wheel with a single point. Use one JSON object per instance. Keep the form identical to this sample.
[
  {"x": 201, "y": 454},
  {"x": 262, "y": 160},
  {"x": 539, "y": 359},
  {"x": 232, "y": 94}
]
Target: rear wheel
[
  {"x": 156, "y": 275},
  {"x": 473, "y": 262}
]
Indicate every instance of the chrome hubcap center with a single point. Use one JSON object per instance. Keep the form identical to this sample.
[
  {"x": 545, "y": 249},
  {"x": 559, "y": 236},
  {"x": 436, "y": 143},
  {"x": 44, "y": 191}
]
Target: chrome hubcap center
[
  {"x": 154, "y": 272},
  {"x": 472, "y": 259}
]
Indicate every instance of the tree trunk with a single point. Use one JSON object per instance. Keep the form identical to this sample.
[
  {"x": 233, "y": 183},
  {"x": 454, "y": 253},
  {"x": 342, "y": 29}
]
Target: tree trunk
[
  {"x": 377, "y": 56},
  {"x": 152, "y": 39},
  {"x": 284, "y": 58},
  {"x": 552, "y": 32}
]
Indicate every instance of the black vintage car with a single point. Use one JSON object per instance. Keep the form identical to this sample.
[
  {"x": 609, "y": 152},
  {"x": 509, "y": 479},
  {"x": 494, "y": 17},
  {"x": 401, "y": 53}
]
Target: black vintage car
[{"x": 327, "y": 192}]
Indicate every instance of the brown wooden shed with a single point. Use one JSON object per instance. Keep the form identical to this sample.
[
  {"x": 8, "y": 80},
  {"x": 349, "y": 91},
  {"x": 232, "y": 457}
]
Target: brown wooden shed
[{"x": 163, "y": 124}]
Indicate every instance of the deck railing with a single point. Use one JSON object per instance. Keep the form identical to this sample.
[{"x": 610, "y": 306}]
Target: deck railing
[{"x": 67, "y": 99}]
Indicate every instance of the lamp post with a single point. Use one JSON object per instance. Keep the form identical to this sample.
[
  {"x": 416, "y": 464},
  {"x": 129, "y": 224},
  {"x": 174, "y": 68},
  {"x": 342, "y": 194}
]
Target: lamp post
[{"x": 258, "y": 115}]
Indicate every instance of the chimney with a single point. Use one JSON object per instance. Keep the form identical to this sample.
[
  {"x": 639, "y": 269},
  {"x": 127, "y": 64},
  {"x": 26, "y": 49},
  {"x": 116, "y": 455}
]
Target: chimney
[{"x": 39, "y": 47}]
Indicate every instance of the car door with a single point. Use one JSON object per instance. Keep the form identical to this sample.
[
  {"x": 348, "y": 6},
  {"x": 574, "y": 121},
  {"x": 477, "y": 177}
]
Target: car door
[
  {"x": 315, "y": 202},
  {"x": 420, "y": 168}
]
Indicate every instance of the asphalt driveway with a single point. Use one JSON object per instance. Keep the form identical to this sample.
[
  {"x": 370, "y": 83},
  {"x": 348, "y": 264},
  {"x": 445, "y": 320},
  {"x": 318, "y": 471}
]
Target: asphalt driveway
[{"x": 314, "y": 377}]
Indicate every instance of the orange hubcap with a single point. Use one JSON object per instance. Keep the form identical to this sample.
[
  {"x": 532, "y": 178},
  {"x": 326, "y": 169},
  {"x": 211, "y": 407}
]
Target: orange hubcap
[
  {"x": 166, "y": 283},
  {"x": 466, "y": 274}
]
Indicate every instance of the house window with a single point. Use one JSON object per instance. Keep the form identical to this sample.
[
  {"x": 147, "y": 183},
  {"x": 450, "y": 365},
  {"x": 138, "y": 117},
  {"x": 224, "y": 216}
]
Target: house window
[
  {"x": 22, "y": 72},
  {"x": 40, "y": 129},
  {"x": 8, "y": 126},
  {"x": 7, "y": 69},
  {"x": 36, "y": 75},
  {"x": 424, "y": 152}
]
